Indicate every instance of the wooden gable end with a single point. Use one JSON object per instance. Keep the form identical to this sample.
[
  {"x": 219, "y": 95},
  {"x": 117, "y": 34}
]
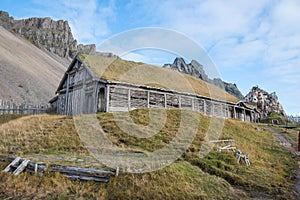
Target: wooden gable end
[
  {"x": 243, "y": 105},
  {"x": 75, "y": 74}
]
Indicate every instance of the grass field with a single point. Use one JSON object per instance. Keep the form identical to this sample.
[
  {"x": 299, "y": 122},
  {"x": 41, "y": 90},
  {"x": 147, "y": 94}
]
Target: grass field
[{"x": 216, "y": 176}]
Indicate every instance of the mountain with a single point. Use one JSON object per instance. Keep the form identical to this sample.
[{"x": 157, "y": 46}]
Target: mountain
[
  {"x": 46, "y": 33},
  {"x": 34, "y": 54},
  {"x": 27, "y": 73},
  {"x": 196, "y": 69},
  {"x": 265, "y": 102}
]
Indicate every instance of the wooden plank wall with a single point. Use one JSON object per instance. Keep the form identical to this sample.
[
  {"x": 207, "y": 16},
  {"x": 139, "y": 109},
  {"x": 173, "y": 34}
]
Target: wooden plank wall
[
  {"x": 126, "y": 98},
  {"x": 10, "y": 107},
  {"x": 78, "y": 94}
]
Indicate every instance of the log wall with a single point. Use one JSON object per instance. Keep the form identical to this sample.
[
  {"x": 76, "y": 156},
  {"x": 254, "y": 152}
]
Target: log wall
[{"x": 128, "y": 98}]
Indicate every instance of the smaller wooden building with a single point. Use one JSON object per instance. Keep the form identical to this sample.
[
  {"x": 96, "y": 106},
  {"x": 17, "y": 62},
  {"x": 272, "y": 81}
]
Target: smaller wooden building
[{"x": 106, "y": 84}]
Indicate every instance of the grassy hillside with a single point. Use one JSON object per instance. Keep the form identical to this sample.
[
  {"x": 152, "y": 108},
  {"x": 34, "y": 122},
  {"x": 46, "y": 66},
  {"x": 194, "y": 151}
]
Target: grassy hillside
[
  {"x": 216, "y": 176},
  {"x": 273, "y": 116}
]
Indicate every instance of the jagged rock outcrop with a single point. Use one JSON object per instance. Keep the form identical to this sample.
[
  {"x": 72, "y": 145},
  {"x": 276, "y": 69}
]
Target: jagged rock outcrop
[
  {"x": 196, "y": 69},
  {"x": 87, "y": 49},
  {"x": 264, "y": 102},
  {"x": 54, "y": 36}
]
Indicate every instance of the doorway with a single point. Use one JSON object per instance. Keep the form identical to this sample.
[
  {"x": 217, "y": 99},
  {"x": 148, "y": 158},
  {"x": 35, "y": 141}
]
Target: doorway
[{"x": 101, "y": 100}]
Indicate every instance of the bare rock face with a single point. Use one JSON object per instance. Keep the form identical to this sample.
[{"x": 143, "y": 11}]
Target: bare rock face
[
  {"x": 5, "y": 20},
  {"x": 265, "y": 102},
  {"x": 46, "y": 33},
  {"x": 86, "y": 49},
  {"x": 196, "y": 69}
]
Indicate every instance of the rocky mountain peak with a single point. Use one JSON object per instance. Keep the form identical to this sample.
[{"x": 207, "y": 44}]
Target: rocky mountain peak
[
  {"x": 46, "y": 33},
  {"x": 265, "y": 102},
  {"x": 197, "y": 70}
]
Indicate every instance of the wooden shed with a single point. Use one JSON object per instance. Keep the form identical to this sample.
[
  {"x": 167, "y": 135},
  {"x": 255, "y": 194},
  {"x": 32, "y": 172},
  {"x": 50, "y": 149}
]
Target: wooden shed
[{"x": 97, "y": 83}]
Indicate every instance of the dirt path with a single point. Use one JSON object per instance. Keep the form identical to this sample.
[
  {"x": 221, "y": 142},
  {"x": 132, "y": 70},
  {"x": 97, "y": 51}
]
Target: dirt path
[{"x": 285, "y": 142}]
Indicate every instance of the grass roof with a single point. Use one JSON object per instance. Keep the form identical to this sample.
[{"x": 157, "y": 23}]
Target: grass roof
[{"x": 116, "y": 69}]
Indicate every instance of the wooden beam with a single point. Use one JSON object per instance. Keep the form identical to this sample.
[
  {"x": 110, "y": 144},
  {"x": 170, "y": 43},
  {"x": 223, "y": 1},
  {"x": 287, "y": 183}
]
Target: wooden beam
[
  {"x": 67, "y": 94},
  {"x": 13, "y": 163},
  {"x": 107, "y": 98},
  {"x": 165, "y": 97},
  {"x": 21, "y": 167},
  {"x": 129, "y": 99},
  {"x": 193, "y": 103},
  {"x": 179, "y": 101},
  {"x": 148, "y": 99},
  {"x": 234, "y": 112},
  {"x": 96, "y": 90}
]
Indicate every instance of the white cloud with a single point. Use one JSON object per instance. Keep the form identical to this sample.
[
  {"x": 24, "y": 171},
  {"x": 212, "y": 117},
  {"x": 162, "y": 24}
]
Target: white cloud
[
  {"x": 255, "y": 42},
  {"x": 252, "y": 42},
  {"x": 88, "y": 19}
]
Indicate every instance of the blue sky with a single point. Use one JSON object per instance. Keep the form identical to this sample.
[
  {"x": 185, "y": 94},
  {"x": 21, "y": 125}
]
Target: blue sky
[{"x": 251, "y": 42}]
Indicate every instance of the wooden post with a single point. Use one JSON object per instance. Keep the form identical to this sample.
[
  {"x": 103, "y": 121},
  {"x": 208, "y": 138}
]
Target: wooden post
[
  {"x": 82, "y": 105},
  {"x": 129, "y": 99},
  {"x": 96, "y": 90},
  {"x": 222, "y": 111},
  {"x": 204, "y": 106},
  {"x": 148, "y": 99},
  {"x": 193, "y": 103},
  {"x": 179, "y": 101},
  {"x": 165, "y": 97},
  {"x": 234, "y": 112},
  {"x": 67, "y": 94},
  {"x": 107, "y": 98},
  {"x": 245, "y": 118}
]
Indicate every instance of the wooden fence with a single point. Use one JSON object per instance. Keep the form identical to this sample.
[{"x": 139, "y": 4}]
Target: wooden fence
[{"x": 10, "y": 107}]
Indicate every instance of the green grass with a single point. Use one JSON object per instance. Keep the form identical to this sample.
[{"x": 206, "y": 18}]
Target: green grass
[
  {"x": 291, "y": 135},
  {"x": 274, "y": 116},
  {"x": 272, "y": 166},
  {"x": 181, "y": 180},
  {"x": 216, "y": 176}
]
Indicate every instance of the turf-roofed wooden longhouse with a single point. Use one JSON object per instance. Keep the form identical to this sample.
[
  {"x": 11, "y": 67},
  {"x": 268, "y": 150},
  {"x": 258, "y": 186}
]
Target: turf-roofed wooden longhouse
[{"x": 106, "y": 83}]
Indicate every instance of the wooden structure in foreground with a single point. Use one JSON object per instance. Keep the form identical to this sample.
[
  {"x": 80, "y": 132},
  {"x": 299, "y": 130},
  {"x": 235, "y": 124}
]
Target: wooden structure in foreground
[
  {"x": 84, "y": 90},
  {"x": 18, "y": 165}
]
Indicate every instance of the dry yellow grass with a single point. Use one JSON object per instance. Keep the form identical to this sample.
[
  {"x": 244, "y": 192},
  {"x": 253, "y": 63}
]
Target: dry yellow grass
[
  {"x": 214, "y": 176},
  {"x": 47, "y": 134},
  {"x": 144, "y": 74}
]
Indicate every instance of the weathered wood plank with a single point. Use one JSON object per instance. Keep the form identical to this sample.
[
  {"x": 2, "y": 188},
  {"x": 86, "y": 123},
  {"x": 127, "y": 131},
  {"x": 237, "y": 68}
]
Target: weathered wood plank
[
  {"x": 13, "y": 163},
  {"x": 87, "y": 178},
  {"x": 18, "y": 165},
  {"x": 21, "y": 167}
]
